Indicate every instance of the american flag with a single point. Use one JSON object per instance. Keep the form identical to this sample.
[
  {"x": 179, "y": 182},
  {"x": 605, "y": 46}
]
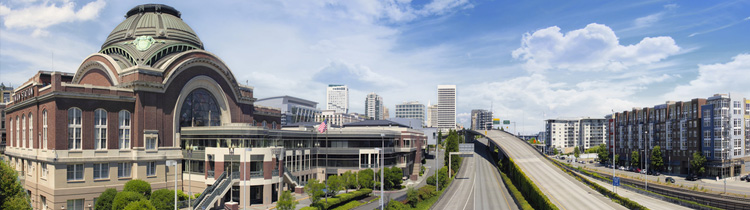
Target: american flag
[{"x": 322, "y": 127}]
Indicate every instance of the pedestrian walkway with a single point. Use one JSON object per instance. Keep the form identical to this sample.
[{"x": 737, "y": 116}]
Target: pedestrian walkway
[{"x": 648, "y": 202}]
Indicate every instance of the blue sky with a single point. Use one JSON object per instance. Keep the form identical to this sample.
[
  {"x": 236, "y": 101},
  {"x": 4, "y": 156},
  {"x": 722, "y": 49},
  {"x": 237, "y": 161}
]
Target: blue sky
[{"x": 526, "y": 59}]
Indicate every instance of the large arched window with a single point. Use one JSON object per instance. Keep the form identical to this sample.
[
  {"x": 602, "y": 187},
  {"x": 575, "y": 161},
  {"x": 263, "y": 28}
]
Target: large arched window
[
  {"x": 44, "y": 129},
  {"x": 200, "y": 109},
  {"x": 31, "y": 130},
  {"x": 74, "y": 128}
]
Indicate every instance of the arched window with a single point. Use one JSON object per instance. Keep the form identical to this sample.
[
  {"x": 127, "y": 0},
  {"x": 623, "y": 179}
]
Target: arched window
[
  {"x": 264, "y": 124},
  {"x": 18, "y": 139},
  {"x": 10, "y": 134},
  {"x": 23, "y": 131},
  {"x": 74, "y": 128},
  {"x": 44, "y": 129},
  {"x": 31, "y": 130},
  {"x": 124, "y": 129},
  {"x": 100, "y": 129},
  {"x": 200, "y": 109},
  {"x": 273, "y": 125}
]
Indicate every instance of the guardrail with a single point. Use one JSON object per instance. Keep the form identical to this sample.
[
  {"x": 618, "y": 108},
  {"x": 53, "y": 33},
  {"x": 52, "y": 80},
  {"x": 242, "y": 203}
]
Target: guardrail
[{"x": 208, "y": 190}]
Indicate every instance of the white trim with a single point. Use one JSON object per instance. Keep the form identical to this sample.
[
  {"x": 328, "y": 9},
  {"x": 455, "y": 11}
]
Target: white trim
[{"x": 209, "y": 85}]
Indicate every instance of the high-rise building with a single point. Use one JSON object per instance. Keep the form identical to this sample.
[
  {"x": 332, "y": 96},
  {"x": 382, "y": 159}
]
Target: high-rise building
[
  {"x": 481, "y": 119},
  {"x": 446, "y": 107},
  {"x": 411, "y": 110},
  {"x": 293, "y": 109},
  {"x": 726, "y": 144},
  {"x": 374, "y": 106},
  {"x": 337, "y": 98},
  {"x": 432, "y": 115},
  {"x": 386, "y": 113}
]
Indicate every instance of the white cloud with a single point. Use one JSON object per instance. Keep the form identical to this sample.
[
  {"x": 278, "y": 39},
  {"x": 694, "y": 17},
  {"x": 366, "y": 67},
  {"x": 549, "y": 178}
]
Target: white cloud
[
  {"x": 730, "y": 77},
  {"x": 593, "y": 48},
  {"x": 356, "y": 76},
  {"x": 46, "y": 14}
]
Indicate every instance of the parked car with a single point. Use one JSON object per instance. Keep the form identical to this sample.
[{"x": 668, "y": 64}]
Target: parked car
[
  {"x": 655, "y": 173},
  {"x": 743, "y": 178},
  {"x": 691, "y": 177},
  {"x": 669, "y": 180},
  {"x": 622, "y": 168}
]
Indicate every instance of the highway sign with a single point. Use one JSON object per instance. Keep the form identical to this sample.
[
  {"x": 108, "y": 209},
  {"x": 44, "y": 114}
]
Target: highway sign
[
  {"x": 496, "y": 121},
  {"x": 616, "y": 181},
  {"x": 506, "y": 122},
  {"x": 466, "y": 147}
]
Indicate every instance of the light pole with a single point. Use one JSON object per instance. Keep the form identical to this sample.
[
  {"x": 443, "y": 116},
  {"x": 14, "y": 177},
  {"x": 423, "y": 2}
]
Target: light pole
[
  {"x": 645, "y": 154},
  {"x": 231, "y": 153},
  {"x": 245, "y": 176},
  {"x": 382, "y": 170},
  {"x": 190, "y": 189},
  {"x": 613, "y": 149},
  {"x": 437, "y": 157}
]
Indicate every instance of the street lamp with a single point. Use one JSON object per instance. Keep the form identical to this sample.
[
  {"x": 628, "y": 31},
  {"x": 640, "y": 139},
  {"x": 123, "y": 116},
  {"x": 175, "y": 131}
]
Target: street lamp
[
  {"x": 231, "y": 153},
  {"x": 645, "y": 154},
  {"x": 190, "y": 189},
  {"x": 382, "y": 171}
]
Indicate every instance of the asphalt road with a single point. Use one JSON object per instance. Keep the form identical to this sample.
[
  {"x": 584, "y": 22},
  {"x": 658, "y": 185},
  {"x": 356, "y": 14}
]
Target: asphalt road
[
  {"x": 563, "y": 190},
  {"x": 478, "y": 185}
]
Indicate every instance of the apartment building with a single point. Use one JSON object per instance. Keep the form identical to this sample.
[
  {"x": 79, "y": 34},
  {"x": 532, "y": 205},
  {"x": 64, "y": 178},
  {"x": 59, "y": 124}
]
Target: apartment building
[
  {"x": 725, "y": 139},
  {"x": 411, "y": 110},
  {"x": 481, "y": 119},
  {"x": 432, "y": 115},
  {"x": 337, "y": 98},
  {"x": 566, "y": 134},
  {"x": 374, "y": 108}
]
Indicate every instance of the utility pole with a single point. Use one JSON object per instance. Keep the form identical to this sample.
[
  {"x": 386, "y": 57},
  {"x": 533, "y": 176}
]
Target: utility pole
[{"x": 613, "y": 149}]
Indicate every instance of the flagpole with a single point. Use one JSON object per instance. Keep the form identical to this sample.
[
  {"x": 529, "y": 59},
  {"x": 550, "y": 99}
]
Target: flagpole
[{"x": 325, "y": 171}]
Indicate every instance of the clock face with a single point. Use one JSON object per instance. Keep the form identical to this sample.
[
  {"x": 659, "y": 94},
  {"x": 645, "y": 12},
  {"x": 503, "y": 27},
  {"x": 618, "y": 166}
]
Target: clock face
[{"x": 142, "y": 43}]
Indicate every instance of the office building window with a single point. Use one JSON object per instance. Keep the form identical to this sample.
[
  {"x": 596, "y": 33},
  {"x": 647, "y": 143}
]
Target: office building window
[
  {"x": 151, "y": 168},
  {"x": 74, "y": 128},
  {"x": 31, "y": 130},
  {"x": 23, "y": 131},
  {"x": 124, "y": 129},
  {"x": 123, "y": 170},
  {"x": 76, "y": 204},
  {"x": 101, "y": 170},
  {"x": 75, "y": 172},
  {"x": 151, "y": 142},
  {"x": 44, "y": 170},
  {"x": 100, "y": 129},
  {"x": 43, "y": 200}
]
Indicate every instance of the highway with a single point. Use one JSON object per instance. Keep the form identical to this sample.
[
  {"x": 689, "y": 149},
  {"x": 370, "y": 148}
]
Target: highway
[
  {"x": 477, "y": 185},
  {"x": 564, "y": 191}
]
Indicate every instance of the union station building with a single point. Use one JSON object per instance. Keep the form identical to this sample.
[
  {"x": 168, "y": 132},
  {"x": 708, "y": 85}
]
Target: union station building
[{"x": 153, "y": 96}]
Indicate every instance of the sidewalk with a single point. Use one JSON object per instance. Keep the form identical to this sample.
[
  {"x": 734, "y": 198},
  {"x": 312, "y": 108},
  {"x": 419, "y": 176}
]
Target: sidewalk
[{"x": 648, "y": 202}]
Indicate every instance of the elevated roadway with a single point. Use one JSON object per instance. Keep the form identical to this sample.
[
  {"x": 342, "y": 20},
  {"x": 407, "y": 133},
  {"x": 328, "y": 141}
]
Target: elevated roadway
[{"x": 562, "y": 190}]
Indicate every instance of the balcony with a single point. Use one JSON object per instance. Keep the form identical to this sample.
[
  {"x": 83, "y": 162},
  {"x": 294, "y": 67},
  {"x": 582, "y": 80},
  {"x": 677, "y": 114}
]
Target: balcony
[
  {"x": 404, "y": 149},
  {"x": 256, "y": 174}
]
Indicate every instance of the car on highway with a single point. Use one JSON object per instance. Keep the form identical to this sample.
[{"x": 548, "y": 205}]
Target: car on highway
[
  {"x": 691, "y": 177},
  {"x": 669, "y": 180}
]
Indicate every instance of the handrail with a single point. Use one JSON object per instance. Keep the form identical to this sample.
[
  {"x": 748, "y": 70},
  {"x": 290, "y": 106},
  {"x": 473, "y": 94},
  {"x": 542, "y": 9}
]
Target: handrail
[
  {"x": 219, "y": 189},
  {"x": 291, "y": 177},
  {"x": 209, "y": 189}
]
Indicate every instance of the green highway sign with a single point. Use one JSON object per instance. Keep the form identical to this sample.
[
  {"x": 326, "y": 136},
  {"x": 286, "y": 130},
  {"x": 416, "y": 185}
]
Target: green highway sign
[{"x": 506, "y": 122}]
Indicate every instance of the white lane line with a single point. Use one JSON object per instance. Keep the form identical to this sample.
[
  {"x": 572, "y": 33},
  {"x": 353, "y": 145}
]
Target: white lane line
[{"x": 472, "y": 190}]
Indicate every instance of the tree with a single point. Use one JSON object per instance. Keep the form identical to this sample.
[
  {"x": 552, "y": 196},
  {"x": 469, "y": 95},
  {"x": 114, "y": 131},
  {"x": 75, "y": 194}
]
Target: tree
[
  {"x": 698, "y": 163},
  {"x": 554, "y": 150},
  {"x": 12, "y": 194},
  {"x": 577, "y": 152},
  {"x": 122, "y": 199},
  {"x": 287, "y": 202},
  {"x": 104, "y": 202},
  {"x": 142, "y": 204},
  {"x": 365, "y": 178},
  {"x": 393, "y": 178},
  {"x": 603, "y": 153},
  {"x": 619, "y": 162},
  {"x": 451, "y": 145},
  {"x": 657, "y": 161},
  {"x": 139, "y": 186},
  {"x": 314, "y": 190},
  {"x": 440, "y": 138},
  {"x": 163, "y": 199},
  {"x": 412, "y": 196},
  {"x": 395, "y": 205},
  {"x": 443, "y": 178},
  {"x": 335, "y": 184},
  {"x": 635, "y": 159},
  {"x": 352, "y": 181}
]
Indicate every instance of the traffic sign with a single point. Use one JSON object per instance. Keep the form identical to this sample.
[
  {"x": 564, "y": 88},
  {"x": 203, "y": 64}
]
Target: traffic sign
[
  {"x": 506, "y": 122},
  {"x": 616, "y": 181},
  {"x": 496, "y": 121}
]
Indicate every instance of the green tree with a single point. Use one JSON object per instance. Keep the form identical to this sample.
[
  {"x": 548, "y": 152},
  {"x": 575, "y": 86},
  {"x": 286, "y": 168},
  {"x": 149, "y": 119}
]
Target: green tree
[
  {"x": 451, "y": 145},
  {"x": 412, "y": 196},
  {"x": 139, "y": 186},
  {"x": 163, "y": 199},
  {"x": 635, "y": 159},
  {"x": 603, "y": 153},
  {"x": 698, "y": 163},
  {"x": 656, "y": 159},
  {"x": 335, "y": 184},
  {"x": 442, "y": 175},
  {"x": 104, "y": 202},
  {"x": 554, "y": 151},
  {"x": 287, "y": 202},
  {"x": 393, "y": 177},
  {"x": 314, "y": 190},
  {"x": 440, "y": 138},
  {"x": 352, "y": 180},
  {"x": 619, "y": 162},
  {"x": 12, "y": 195},
  {"x": 365, "y": 178},
  {"x": 142, "y": 204},
  {"x": 124, "y": 198},
  {"x": 576, "y": 152}
]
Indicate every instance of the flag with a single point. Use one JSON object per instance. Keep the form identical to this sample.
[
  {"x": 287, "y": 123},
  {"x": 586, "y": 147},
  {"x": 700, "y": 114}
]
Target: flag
[{"x": 322, "y": 127}]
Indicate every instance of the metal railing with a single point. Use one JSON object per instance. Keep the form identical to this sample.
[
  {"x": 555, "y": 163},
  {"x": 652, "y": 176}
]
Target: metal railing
[
  {"x": 256, "y": 174},
  {"x": 275, "y": 172},
  {"x": 291, "y": 177},
  {"x": 208, "y": 189},
  {"x": 211, "y": 173},
  {"x": 223, "y": 185}
]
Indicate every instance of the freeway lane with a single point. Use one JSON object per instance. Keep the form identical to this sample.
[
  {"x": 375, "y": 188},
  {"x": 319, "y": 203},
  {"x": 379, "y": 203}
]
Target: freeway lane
[
  {"x": 478, "y": 185},
  {"x": 564, "y": 191}
]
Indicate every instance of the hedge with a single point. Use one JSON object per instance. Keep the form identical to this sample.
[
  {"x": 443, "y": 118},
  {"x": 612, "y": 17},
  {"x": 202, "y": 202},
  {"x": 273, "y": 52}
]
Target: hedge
[
  {"x": 343, "y": 198},
  {"x": 139, "y": 186},
  {"x": 309, "y": 208},
  {"x": 517, "y": 194},
  {"x": 528, "y": 189},
  {"x": 349, "y": 205}
]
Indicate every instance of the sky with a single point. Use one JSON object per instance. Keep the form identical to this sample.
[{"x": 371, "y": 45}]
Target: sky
[{"x": 525, "y": 60}]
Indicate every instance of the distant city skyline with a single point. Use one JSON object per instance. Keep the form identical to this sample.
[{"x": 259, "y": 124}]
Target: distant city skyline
[{"x": 529, "y": 58}]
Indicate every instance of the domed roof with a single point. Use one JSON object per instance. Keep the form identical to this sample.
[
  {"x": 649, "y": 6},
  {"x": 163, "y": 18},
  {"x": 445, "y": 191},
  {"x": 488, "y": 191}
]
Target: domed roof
[{"x": 149, "y": 33}]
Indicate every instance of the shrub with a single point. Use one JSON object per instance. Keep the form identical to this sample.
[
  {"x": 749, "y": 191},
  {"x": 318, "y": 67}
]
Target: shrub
[
  {"x": 412, "y": 197},
  {"x": 287, "y": 202},
  {"x": 139, "y": 186},
  {"x": 426, "y": 192},
  {"x": 309, "y": 208},
  {"x": 395, "y": 205},
  {"x": 365, "y": 178},
  {"x": 343, "y": 198},
  {"x": 142, "y": 204},
  {"x": 181, "y": 196},
  {"x": 104, "y": 202},
  {"x": 163, "y": 199},
  {"x": 124, "y": 198}
]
